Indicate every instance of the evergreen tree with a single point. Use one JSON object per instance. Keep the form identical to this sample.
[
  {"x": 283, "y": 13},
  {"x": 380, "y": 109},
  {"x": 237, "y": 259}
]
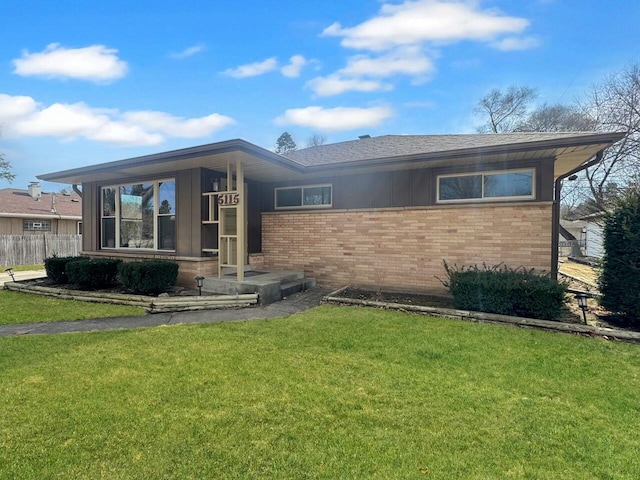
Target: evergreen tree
[
  {"x": 620, "y": 275},
  {"x": 285, "y": 144}
]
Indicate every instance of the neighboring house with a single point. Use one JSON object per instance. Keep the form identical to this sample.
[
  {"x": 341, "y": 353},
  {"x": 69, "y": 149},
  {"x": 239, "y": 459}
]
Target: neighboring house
[
  {"x": 569, "y": 247},
  {"x": 30, "y": 212},
  {"x": 383, "y": 211},
  {"x": 594, "y": 235}
]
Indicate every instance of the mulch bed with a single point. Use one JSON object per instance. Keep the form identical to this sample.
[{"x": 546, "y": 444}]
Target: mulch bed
[
  {"x": 571, "y": 313},
  {"x": 172, "y": 292}
]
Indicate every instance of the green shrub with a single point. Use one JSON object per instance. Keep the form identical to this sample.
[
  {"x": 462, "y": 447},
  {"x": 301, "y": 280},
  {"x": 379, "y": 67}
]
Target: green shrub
[
  {"x": 507, "y": 291},
  {"x": 93, "y": 273},
  {"x": 56, "y": 267},
  {"x": 619, "y": 280},
  {"x": 148, "y": 277}
]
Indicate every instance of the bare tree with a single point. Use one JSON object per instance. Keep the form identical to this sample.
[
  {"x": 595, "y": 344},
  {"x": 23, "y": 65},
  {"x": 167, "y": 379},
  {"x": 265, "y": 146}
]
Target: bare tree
[
  {"x": 614, "y": 105},
  {"x": 556, "y": 118},
  {"x": 5, "y": 170},
  {"x": 316, "y": 140},
  {"x": 504, "y": 111}
]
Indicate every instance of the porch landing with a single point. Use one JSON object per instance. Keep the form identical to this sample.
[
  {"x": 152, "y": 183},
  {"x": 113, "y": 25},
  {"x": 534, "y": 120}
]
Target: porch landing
[{"x": 270, "y": 285}]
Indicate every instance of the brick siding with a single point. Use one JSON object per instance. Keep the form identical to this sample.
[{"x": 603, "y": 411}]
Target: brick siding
[{"x": 404, "y": 248}]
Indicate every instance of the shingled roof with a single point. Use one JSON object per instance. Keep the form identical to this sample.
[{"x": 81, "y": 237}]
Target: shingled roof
[
  {"x": 18, "y": 203},
  {"x": 390, "y": 146}
]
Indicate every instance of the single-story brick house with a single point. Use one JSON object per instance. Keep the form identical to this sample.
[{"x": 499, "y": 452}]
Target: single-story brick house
[
  {"x": 374, "y": 211},
  {"x": 34, "y": 212}
]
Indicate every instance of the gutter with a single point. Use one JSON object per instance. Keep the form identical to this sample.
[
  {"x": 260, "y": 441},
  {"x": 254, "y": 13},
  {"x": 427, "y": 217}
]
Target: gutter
[
  {"x": 47, "y": 216},
  {"x": 555, "y": 222}
]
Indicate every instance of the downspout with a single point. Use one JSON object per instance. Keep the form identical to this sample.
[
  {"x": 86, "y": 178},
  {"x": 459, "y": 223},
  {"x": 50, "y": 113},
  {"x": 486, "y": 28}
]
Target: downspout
[
  {"x": 77, "y": 190},
  {"x": 555, "y": 225}
]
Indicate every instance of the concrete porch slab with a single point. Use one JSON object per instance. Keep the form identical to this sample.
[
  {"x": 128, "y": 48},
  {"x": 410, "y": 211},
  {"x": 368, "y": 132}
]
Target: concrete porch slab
[{"x": 267, "y": 284}]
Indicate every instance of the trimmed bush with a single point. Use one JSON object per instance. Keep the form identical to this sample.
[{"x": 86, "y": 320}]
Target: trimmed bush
[
  {"x": 148, "y": 277},
  {"x": 93, "y": 273},
  {"x": 619, "y": 280},
  {"x": 499, "y": 289},
  {"x": 56, "y": 267}
]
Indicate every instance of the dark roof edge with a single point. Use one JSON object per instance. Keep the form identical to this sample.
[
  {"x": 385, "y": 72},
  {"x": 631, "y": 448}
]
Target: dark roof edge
[
  {"x": 247, "y": 147},
  {"x": 191, "y": 152},
  {"x": 609, "y": 137}
]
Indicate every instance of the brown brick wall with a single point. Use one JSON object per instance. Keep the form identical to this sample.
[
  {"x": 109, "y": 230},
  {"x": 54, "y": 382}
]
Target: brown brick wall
[
  {"x": 404, "y": 248},
  {"x": 188, "y": 267}
]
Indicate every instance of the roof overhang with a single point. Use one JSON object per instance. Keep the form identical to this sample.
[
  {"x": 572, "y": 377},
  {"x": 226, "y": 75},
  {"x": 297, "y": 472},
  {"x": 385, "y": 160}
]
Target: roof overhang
[{"x": 262, "y": 165}]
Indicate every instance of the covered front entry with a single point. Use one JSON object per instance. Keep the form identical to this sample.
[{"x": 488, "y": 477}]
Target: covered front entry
[{"x": 227, "y": 209}]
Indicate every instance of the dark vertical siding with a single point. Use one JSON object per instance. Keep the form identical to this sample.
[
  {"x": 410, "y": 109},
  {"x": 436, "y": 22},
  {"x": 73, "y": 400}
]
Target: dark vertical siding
[
  {"x": 254, "y": 217},
  {"x": 545, "y": 181},
  {"x": 189, "y": 205},
  {"x": 90, "y": 217},
  {"x": 401, "y": 188},
  {"x": 365, "y": 190},
  {"x": 421, "y": 188}
]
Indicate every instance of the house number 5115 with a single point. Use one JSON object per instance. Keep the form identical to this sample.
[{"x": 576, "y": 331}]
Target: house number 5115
[{"x": 226, "y": 199}]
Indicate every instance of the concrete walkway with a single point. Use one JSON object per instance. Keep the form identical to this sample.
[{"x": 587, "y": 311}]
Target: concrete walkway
[
  {"x": 26, "y": 275},
  {"x": 298, "y": 302}
]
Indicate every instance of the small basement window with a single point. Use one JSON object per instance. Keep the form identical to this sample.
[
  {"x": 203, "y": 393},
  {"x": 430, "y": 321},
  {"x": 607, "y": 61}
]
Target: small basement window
[
  {"x": 311, "y": 196},
  {"x": 487, "y": 186},
  {"x": 36, "y": 225}
]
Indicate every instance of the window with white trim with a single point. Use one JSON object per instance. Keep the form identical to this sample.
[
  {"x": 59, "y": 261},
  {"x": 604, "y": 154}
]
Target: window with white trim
[
  {"x": 36, "y": 225},
  {"x": 308, "y": 196},
  {"x": 140, "y": 215},
  {"x": 487, "y": 186}
]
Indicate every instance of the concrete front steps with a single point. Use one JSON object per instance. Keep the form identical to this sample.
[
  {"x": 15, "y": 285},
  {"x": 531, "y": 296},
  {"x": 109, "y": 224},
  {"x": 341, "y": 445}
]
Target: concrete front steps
[{"x": 271, "y": 286}]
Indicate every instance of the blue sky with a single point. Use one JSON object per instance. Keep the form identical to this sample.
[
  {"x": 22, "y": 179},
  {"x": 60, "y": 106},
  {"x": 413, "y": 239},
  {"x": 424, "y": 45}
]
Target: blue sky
[{"x": 85, "y": 82}]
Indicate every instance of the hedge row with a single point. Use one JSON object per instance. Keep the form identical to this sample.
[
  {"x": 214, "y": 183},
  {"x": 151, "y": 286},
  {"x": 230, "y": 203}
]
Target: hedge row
[
  {"x": 145, "y": 277},
  {"x": 506, "y": 291}
]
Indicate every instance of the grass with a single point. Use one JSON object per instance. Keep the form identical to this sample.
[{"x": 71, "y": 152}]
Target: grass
[
  {"x": 24, "y": 268},
  {"x": 336, "y": 392},
  {"x": 23, "y": 308}
]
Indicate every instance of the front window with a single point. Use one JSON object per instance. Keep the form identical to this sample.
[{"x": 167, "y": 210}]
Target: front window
[
  {"x": 140, "y": 215},
  {"x": 312, "y": 196},
  {"x": 486, "y": 186}
]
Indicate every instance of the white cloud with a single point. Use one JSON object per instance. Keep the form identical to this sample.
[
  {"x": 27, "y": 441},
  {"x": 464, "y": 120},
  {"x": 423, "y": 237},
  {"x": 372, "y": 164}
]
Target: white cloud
[
  {"x": 517, "y": 43},
  {"x": 252, "y": 69},
  {"x": 12, "y": 108},
  {"x": 177, "y": 126},
  {"x": 296, "y": 63},
  {"x": 420, "y": 21},
  {"x": 96, "y": 63},
  {"x": 188, "y": 52},
  {"x": 333, "y": 119},
  {"x": 23, "y": 117},
  {"x": 404, "y": 61},
  {"x": 336, "y": 84}
]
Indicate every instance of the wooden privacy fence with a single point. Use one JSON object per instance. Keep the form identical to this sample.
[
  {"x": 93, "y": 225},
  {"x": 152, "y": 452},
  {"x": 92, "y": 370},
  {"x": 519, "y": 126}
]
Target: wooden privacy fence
[{"x": 33, "y": 249}]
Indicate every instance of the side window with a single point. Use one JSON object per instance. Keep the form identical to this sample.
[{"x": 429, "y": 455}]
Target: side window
[
  {"x": 486, "y": 186},
  {"x": 311, "y": 196}
]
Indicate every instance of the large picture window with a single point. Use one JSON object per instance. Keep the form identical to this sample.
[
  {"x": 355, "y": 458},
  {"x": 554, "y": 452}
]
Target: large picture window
[
  {"x": 140, "y": 215},
  {"x": 311, "y": 196},
  {"x": 487, "y": 186}
]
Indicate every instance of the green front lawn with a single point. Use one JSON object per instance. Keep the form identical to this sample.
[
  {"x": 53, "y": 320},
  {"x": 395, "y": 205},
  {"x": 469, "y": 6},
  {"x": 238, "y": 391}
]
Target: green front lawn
[
  {"x": 333, "y": 393},
  {"x": 23, "y": 308}
]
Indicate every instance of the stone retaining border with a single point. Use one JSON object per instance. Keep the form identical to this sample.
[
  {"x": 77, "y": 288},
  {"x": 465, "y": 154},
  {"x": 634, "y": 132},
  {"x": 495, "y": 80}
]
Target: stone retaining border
[
  {"x": 607, "y": 333},
  {"x": 150, "y": 304}
]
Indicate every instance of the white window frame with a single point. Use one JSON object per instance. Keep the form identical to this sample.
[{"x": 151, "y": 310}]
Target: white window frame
[
  {"x": 483, "y": 198},
  {"x": 156, "y": 208},
  {"x": 302, "y": 188}
]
